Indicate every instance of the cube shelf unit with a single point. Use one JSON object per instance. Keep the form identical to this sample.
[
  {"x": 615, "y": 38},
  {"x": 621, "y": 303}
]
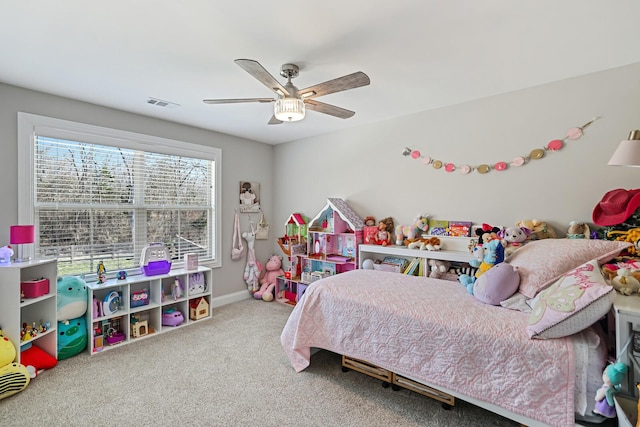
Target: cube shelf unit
[
  {"x": 15, "y": 310},
  {"x": 127, "y": 323},
  {"x": 332, "y": 239}
]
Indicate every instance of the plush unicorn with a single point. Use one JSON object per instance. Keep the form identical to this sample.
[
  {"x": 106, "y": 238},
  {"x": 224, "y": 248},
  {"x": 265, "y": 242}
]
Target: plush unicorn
[
  {"x": 5, "y": 254},
  {"x": 253, "y": 268}
]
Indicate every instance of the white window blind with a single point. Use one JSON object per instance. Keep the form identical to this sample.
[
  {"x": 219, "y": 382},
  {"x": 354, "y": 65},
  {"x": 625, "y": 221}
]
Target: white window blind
[{"x": 105, "y": 201}]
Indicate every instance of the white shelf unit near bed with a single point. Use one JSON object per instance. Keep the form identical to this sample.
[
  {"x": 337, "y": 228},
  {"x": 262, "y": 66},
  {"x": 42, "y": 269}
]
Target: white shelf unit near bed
[{"x": 377, "y": 252}]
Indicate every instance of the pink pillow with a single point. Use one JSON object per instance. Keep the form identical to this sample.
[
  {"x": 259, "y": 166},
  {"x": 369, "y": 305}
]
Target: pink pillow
[
  {"x": 38, "y": 358},
  {"x": 573, "y": 303},
  {"x": 542, "y": 262}
]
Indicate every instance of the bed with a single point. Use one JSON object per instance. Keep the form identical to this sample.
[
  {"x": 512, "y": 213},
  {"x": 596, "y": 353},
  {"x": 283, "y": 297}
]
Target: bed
[{"x": 433, "y": 332}]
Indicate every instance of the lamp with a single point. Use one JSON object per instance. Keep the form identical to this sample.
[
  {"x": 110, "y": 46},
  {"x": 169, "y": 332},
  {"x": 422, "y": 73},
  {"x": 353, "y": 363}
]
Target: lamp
[
  {"x": 21, "y": 235},
  {"x": 289, "y": 109},
  {"x": 628, "y": 152}
]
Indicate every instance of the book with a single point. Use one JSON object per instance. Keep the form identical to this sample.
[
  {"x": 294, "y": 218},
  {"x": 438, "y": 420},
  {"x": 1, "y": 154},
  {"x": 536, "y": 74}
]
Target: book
[
  {"x": 438, "y": 227},
  {"x": 412, "y": 269},
  {"x": 460, "y": 228}
]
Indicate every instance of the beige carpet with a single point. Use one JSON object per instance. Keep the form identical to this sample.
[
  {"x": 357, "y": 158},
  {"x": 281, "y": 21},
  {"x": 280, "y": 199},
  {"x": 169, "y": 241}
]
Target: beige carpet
[{"x": 226, "y": 371}]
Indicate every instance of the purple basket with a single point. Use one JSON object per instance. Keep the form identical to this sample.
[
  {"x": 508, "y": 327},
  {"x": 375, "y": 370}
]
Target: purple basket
[{"x": 153, "y": 268}]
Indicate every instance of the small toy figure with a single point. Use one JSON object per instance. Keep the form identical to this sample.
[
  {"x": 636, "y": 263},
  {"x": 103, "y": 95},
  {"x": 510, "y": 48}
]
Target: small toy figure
[
  {"x": 100, "y": 271},
  {"x": 122, "y": 275},
  {"x": 612, "y": 378}
]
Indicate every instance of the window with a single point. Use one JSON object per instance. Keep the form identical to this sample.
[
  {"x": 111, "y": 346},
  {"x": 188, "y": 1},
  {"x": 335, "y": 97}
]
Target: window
[{"x": 98, "y": 194}]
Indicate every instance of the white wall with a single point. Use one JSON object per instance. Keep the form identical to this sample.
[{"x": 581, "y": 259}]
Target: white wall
[
  {"x": 365, "y": 165},
  {"x": 243, "y": 160}
]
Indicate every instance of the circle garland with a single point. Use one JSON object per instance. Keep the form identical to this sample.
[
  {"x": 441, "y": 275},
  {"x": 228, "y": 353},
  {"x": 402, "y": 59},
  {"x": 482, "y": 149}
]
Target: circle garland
[{"x": 535, "y": 154}]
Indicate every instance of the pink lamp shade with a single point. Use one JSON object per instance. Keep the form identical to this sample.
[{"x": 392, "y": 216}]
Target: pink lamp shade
[{"x": 20, "y": 234}]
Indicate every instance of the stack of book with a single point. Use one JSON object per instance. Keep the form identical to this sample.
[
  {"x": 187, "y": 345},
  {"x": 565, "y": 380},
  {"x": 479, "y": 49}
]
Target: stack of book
[
  {"x": 393, "y": 264},
  {"x": 417, "y": 267}
]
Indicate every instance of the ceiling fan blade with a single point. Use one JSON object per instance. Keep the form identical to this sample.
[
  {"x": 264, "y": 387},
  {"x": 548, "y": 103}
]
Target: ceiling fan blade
[
  {"x": 350, "y": 81},
  {"x": 256, "y": 70},
  {"x": 274, "y": 121},
  {"x": 235, "y": 101},
  {"x": 332, "y": 110}
]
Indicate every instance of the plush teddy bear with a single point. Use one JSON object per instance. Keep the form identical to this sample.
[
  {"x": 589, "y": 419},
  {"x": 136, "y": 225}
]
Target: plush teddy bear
[
  {"x": 437, "y": 268},
  {"x": 273, "y": 269},
  {"x": 513, "y": 238}
]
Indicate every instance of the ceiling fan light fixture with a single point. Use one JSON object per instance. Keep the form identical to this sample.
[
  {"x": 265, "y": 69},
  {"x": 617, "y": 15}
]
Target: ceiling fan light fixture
[{"x": 289, "y": 109}]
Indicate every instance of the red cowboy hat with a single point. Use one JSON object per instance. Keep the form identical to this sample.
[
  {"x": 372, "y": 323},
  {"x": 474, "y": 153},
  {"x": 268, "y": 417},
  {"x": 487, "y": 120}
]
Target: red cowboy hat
[{"x": 616, "y": 206}]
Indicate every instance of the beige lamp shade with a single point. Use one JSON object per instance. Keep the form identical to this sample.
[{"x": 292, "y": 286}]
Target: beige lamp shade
[{"x": 628, "y": 152}]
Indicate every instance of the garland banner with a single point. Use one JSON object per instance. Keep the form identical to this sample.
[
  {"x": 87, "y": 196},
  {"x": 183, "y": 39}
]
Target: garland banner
[{"x": 535, "y": 154}]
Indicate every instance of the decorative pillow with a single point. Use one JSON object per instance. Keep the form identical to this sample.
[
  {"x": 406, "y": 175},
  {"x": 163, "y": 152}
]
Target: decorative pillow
[
  {"x": 571, "y": 304},
  {"x": 542, "y": 262},
  {"x": 38, "y": 358},
  {"x": 497, "y": 284}
]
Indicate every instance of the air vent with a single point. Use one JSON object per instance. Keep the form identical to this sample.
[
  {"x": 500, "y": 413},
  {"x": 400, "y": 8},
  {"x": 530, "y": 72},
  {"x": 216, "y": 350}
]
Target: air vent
[{"x": 161, "y": 103}]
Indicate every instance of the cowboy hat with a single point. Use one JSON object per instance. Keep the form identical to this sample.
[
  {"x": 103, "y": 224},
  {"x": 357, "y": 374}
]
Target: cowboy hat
[{"x": 616, "y": 206}]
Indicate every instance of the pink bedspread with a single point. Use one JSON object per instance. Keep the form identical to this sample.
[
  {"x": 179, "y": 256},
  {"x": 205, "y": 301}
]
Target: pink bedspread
[{"x": 433, "y": 331}]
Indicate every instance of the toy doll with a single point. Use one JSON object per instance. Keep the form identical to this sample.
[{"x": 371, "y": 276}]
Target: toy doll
[{"x": 612, "y": 378}]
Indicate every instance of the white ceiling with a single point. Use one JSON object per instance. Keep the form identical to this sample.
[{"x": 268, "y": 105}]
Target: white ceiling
[{"x": 420, "y": 55}]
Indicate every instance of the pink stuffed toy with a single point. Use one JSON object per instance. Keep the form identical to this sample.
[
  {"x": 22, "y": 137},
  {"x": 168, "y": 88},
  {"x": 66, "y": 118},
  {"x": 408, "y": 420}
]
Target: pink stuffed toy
[{"x": 273, "y": 269}]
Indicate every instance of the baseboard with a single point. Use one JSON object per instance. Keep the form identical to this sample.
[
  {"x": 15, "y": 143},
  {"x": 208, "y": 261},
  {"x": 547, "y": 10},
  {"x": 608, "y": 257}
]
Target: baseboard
[{"x": 230, "y": 298}]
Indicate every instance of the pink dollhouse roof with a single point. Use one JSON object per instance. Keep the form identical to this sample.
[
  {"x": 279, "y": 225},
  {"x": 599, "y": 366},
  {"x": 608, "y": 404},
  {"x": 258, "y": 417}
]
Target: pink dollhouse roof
[{"x": 346, "y": 213}]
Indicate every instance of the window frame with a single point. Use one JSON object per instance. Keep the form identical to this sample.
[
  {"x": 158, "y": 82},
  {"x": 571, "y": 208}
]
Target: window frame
[{"x": 29, "y": 125}]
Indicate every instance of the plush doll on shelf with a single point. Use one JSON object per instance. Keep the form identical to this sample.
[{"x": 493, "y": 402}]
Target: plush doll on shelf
[
  {"x": 273, "y": 269},
  {"x": 485, "y": 257},
  {"x": 578, "y": 230},
  {"x": 383, "y": 236},
  {"x": 513, "y": 238},
  {"x": 539, "y": 229},
  {"x": 438, "y": 268},
  {"x": 612, "y": 378}
]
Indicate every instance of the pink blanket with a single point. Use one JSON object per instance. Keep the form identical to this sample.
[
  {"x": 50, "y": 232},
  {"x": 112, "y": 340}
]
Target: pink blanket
[{"x": 433, "y": 331}]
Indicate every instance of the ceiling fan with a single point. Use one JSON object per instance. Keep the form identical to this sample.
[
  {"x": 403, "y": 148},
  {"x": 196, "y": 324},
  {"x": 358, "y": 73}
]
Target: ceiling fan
[{"x": 291, "y": 102}]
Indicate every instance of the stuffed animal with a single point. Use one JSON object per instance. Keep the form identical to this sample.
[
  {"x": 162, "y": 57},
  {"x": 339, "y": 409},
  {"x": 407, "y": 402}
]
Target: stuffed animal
[
  {"x": 497, "y": 284},
  {"x": 485, "y": 257},
  {"x": 513, "y": 238},
  {"x": 437, "y": 268},
  {"x": 429, "y": 243},
  {"x": 612, "y": 378},
  {"x": 6, "y": 252},
  {"x": 72, "y": 297},
  {"x": 625, "y": 282},
  {"x": 406, "y": 234},
  {"x": 486, "y": 233},
  {"x": 539, "y": 229},
  {"x": 273, "y": 269},
  {"x": 72, "y": 337},
  {"x": 253, "y": 267},
  {"x": 14, "y": 377},
  {"x": 578, "y": 230}
]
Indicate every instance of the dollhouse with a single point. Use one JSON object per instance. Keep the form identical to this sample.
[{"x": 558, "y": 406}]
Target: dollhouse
[{"x": 330, "y": 247}]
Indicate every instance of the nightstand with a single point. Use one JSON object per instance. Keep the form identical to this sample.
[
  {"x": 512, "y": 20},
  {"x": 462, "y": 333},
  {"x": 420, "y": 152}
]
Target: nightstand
[{"x": 626, "y": 311}]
